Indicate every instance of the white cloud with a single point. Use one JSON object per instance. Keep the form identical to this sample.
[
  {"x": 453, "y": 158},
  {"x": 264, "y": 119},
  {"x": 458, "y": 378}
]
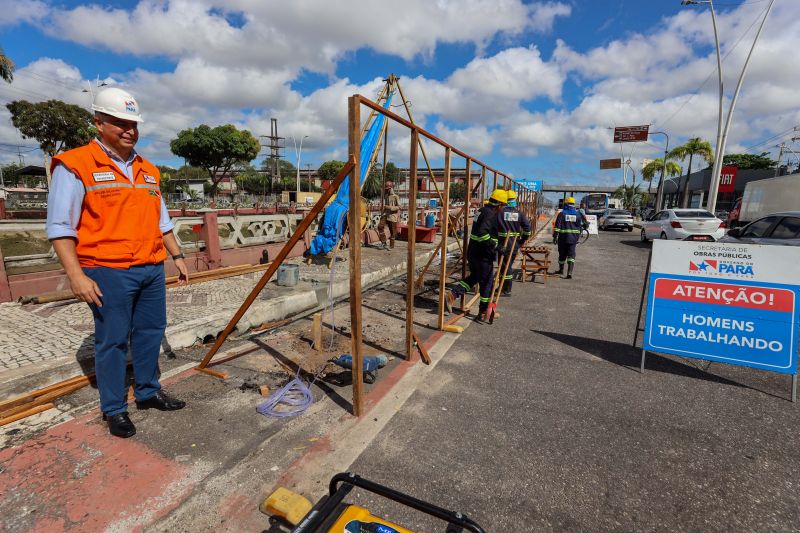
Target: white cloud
[{"x": 15, "y": 11}]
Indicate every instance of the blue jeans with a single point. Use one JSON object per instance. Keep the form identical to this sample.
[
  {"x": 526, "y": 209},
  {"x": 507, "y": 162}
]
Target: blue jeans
[{"x": 134, "y": 314}]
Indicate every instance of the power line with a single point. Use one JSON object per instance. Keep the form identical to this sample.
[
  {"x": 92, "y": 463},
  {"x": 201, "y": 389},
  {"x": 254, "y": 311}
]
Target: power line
[{"x": 696, "y": 91}]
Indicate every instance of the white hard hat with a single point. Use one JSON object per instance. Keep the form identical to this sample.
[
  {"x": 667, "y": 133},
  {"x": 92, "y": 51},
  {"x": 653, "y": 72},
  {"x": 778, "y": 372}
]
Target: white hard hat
[{"x": 117, "y": 103}]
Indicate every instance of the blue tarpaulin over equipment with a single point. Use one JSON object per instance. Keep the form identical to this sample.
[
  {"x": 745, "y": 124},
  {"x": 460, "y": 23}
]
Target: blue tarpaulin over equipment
[{"x": 333, "y": 220}]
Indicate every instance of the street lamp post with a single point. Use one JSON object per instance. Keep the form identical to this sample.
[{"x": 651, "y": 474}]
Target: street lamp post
[
  {"x": 660, "y": 192},
  {"x": 298, "y": 153},
  {"x": 722, "y": 133}
]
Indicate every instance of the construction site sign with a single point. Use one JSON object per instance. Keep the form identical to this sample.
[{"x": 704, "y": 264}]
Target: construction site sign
[
  {"x": 608, "y": 164},
  {"x": 631, "y": 134},
  {"x": 729, "y": 303}
]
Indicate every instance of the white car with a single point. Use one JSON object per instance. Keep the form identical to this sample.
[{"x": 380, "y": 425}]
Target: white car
[
  {"x": 680, "y": 224},
  {"x": 616, "y": 218}
]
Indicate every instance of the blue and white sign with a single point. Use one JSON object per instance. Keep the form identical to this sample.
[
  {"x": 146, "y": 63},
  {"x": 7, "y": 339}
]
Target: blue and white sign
[
  {"x": 534, "y": 185},
  {"x": 731, "y": 303}
]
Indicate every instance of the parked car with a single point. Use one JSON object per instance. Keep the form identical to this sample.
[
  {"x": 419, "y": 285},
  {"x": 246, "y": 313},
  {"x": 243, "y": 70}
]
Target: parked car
[
  {"x": 615, "y": 218},
  {"x": 778, "y": 228},
  {"x": 681, "y": 224},
  {"x": 733, "y": 215}
]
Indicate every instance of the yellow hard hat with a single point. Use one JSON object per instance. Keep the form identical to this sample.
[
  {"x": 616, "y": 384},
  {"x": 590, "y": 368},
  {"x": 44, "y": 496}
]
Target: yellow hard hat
[
  {"x": 500, "y": 196},
  {"x": 485, "y": 202},
  {"x": 512, "y": 195},
  {"x": 570, "y": 200}
]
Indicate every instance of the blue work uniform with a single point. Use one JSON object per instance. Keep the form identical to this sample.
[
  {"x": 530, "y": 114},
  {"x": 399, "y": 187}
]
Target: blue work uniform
[
  {"x": 513, "y": 224},
  {"x": 481, "y": 254},
  {"x": 569, "y": 224}
]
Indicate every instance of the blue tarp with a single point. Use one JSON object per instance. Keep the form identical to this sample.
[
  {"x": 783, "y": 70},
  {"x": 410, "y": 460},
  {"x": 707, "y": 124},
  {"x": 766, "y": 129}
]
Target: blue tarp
[{"x": 330, "y": 231}]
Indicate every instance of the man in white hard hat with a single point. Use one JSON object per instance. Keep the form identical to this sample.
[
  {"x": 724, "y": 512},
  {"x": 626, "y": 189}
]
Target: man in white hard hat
[{"x": 111, "y": 230}]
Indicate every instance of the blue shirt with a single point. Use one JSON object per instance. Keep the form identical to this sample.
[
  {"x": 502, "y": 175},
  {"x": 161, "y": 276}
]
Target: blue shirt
[{"x": 65, "y": 198}]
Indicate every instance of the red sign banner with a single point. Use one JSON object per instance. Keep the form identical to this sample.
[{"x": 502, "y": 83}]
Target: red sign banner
[
  {"x": 727, "y": 179},
  {"x": 606, "y": 164},
  {"x": 631, "y": 134}
]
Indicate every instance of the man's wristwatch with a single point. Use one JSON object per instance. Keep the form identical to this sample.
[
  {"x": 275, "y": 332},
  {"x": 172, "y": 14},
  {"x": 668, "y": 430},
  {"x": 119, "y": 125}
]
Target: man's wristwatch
[{"x": 178, "y": 256}]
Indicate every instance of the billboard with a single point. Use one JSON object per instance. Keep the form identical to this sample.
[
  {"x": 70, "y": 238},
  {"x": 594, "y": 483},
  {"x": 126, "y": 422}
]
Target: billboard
[
  {"x": 727, "y": 179},
  {"x": 606, "y": 164},
  {"x": 630, "y": 134},
  {"x": 729, "y": 303},
  {"x": 534, "y": 185}
]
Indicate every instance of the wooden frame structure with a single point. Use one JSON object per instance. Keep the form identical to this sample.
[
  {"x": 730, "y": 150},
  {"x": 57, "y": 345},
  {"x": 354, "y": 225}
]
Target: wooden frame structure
[{"x": 527, "y": 201}]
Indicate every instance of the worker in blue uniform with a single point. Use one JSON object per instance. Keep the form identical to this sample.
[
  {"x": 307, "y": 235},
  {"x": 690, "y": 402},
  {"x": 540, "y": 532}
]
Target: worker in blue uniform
[
  {"x": 567, "y": 231},
  {"x": 481, "y": 254},
  {"x": 513, "y": 224}
]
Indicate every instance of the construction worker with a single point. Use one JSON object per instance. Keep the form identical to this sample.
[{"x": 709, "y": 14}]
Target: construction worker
[
  {"x": 513, "y": 224},
  {"x": 111, "y": 230},
  {"x": 569, "y": 224},
  {"x": 481, "y": 254},
  {"x": 389, "y": 217}
]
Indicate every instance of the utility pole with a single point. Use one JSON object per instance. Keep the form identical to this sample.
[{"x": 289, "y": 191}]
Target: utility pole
[
  {"x": 275, "y": 146},
  {"x": 308, "y": 173},
  {"x": 783, "y": 150}
]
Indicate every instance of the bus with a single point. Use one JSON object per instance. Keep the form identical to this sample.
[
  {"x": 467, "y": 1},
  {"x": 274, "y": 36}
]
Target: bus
[{"x": 595, "y": 203}]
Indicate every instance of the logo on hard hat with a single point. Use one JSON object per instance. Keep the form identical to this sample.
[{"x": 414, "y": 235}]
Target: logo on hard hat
[{"x": 130, "y": 105}]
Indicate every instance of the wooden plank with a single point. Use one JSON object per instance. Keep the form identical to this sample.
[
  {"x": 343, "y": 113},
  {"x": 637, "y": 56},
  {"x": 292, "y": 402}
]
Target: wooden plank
[
  {"x": 412, "y": 243},
  {"x": 448, "y": 153},
  {"x": 354, "y": 244},
  {"x": 24, "y": 414},
  {"x": 282, "y": 255},
  {"x": 204, "y": 370},
  {"x": 423, "y": 352},
  {"x": 45, "y": 398}
]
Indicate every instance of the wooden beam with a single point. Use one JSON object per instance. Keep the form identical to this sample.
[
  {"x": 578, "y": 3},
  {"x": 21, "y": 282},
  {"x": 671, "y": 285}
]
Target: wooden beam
[
  {"x": 316, "y": 330},
  {"x": 423, "y": 352},
  {"x": 282, "y": 255},
  {"x": 465, "y": 237},
  {"x": 412, "y": 242},
  {"x": 354, "y": 245},
  {"x": 24, "y": 414},
  {"x": 448, "y": 153},
  {"x": 220, "y": 375}
]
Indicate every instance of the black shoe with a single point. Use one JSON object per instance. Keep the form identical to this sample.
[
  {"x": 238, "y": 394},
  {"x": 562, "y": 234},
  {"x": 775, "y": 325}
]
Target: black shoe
[
  {"x": 161, "y": 401},
  {"x": 120, "y": 425},
  {"x": 568, "y": 276},
  {"x": 505, "y": 293}
]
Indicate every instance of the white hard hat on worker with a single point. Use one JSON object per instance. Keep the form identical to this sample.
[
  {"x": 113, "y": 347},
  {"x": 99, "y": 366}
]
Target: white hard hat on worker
[{"x": 117, "y": 103}]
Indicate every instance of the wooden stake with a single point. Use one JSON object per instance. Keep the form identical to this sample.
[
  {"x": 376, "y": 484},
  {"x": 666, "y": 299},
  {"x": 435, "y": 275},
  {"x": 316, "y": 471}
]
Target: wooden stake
[
  {"x": 412, "y": 242},
  {"x": 24, "y": 414},
  {"x": 423, "y": 352},
  {"x": 354, "y": 222},
  {"x": 316, "y": 330},
  {"x": 445, "y": 232}
]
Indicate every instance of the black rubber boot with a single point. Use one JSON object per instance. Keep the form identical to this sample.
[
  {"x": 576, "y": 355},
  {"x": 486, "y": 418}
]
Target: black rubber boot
[
  {"x": 507, "y": 287},
  {"x": 559, "y": 271},
  {"x": 570, "y": 266}
]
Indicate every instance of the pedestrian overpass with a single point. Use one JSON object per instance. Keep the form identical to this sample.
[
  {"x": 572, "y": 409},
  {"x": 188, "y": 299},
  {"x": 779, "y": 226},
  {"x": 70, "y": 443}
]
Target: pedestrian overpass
[{"x": 572, "y": 189}]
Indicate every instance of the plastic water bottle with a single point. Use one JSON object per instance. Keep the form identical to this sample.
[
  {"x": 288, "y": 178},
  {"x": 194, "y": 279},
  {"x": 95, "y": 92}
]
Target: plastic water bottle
[{"x": 371, "y": 363}]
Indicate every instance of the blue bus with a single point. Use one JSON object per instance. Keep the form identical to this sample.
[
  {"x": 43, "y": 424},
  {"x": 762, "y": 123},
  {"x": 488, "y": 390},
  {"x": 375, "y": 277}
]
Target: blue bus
[{"x": 595, "y": 203}]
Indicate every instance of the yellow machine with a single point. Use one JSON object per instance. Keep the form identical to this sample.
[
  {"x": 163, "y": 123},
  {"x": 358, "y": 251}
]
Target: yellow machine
[{"x": 331, "y": 514}]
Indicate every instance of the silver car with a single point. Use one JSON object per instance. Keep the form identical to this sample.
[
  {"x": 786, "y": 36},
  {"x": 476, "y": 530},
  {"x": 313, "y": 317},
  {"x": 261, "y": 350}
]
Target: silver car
[
  {"x": 615, "y": 218},
  {"x": 778, "y": 228}
]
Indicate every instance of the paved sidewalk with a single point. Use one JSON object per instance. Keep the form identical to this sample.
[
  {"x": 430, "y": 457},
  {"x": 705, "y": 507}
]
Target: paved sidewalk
[{"x": 42, "y": 344}]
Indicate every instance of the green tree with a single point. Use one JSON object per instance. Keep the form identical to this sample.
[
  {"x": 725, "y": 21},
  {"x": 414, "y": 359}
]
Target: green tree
[
  {"x": 329, "y": 169},
  {"x": 656, "y": 167},
  {"x": 56, "y": 125},
  {"x": 749, "y": 161},
  {"x": 373, "y": 184},
  {"x": 458, "y": 191},
  {"x": 169, "y": 184},
  {"x": 6, "y": 67},
  {"x": 285, "y": 171},
  {"x": 694, "y": 146},
  {"x": 251, "y": 180},
  {"x": 217, "y": 150},
  {"x": 630, "y": 195}
]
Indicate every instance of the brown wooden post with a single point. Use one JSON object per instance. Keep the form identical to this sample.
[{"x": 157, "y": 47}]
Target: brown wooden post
[
  {"x": 210, "y": 235},
  {"x": 354, "y": 243},
  {"x": 467, "y": 201},
  {"x": 412, "y": 242},
  {"x": 5, "y": 286},
  {"x": 448, "y": 154},
  {"x": 494, "y": 183},
  {"x": 316, "y": 330}
]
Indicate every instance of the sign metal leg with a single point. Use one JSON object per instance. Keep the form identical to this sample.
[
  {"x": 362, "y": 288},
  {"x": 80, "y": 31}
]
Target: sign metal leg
[
  {"x": 641, "y": 368},
  {"x": 794, "y": 388}
]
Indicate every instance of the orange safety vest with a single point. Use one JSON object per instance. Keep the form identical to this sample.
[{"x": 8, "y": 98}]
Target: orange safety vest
[{"x": 119, "y": 223}]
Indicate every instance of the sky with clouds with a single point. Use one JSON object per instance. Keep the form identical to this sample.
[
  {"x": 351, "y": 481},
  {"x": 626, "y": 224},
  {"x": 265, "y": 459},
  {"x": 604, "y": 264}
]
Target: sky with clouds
[{"x": 529, "y": 87}]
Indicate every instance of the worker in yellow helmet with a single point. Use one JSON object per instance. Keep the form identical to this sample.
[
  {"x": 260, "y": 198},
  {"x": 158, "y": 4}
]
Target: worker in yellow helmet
[
  {"x": 481, "y": 254},
  {"x": 513, "y": 224},
  {"x": 569, "y": 224}
]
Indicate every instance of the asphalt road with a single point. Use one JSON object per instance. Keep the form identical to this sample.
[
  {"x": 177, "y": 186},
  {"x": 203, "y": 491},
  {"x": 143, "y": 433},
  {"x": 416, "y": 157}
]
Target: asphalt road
[{"x": 542, "y": 421}]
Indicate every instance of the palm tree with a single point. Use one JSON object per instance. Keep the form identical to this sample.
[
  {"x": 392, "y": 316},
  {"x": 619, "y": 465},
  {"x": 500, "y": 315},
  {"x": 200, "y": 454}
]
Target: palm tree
[
  {"x": 630, "y": 195},
  {"x": 6, "y": 67},
  {"x": 657, "y": 165},
  {"x": 694, "y": 146}
]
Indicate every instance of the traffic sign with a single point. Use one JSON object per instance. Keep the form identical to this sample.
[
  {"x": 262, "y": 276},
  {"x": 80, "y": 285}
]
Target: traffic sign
[
  {"x": 534, "y": 185},
  {"x": 629, "y": 134},
  {"x": 730, "y": 303},
  {"x": 607, "y": 164}
]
